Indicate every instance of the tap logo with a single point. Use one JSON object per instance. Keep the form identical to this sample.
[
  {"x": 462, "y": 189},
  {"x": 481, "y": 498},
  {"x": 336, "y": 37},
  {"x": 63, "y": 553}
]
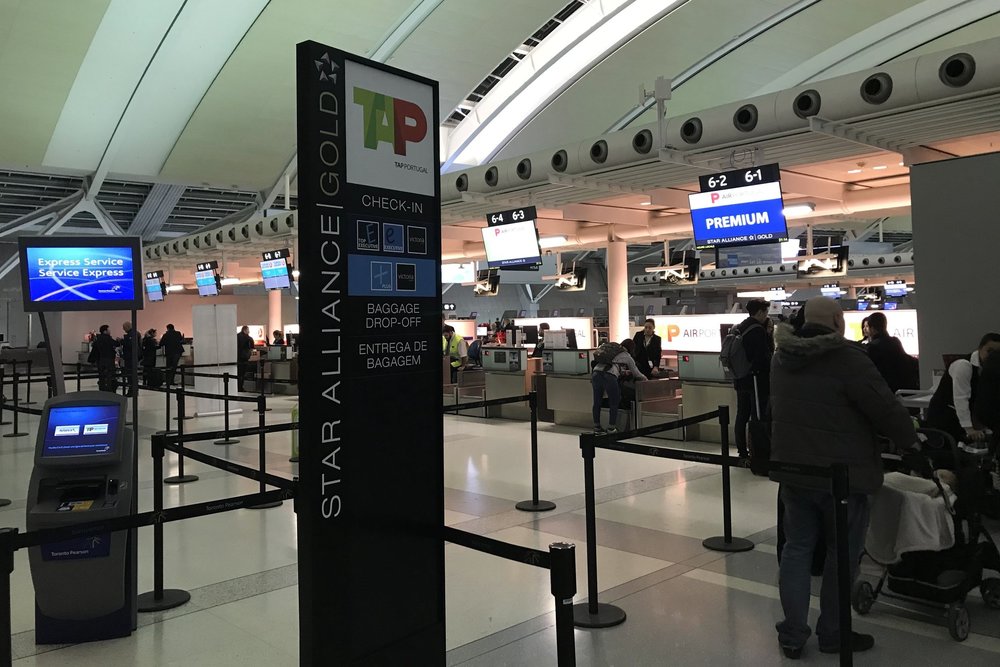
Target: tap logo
[{"x": 391, "y": 120}]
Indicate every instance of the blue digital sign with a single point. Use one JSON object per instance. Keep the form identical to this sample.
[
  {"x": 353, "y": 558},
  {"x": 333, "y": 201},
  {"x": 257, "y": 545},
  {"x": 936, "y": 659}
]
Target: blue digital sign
[
  {"x": 81, "y": 430},
  {"x": 738, "y": 216},
  {"x": 77, "y": 273},
  {"x": 275, "y": 273}
]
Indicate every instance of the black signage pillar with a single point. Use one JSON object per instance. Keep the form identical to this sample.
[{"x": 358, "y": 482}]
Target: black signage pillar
[{"x": 371, "y": 503}]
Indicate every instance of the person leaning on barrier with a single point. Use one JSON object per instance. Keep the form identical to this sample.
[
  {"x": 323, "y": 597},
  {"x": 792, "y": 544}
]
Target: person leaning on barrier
[
  {"x": 829, "y": 404},
  {"x": 456, "y": 349}
]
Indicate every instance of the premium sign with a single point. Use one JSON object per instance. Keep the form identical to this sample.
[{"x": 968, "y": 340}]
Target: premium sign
[{"x": 371, "y": 497}]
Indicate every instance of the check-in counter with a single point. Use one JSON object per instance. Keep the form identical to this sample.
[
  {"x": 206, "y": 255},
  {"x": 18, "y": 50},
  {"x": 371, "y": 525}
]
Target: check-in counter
[
  {"x": 568, "y": 391},
  {"x": 509, "y": 372},
  {"x": 658, "y": 401},
  {"x": 704, "y": 387}
]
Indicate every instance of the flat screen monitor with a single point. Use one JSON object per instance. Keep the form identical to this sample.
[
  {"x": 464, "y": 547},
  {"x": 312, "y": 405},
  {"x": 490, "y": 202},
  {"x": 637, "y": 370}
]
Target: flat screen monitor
[
  {"x": 742, "y": 207},
  {"x": 482, "y": 331},
  {"x": 830, "y": 291},
  {"x": 208, "y": 282},
  {"x": 512, "y": 244},
  {"x": 80, "y": 273},
  {"x": 895, "y": 288},
  {"x": 155, "y": 287},
  {"x": 275, "y": 272},
  {"x": 890, "y": 305},
  {"x": 81, "y": 430},
  {"x": 530, "y": 334}
]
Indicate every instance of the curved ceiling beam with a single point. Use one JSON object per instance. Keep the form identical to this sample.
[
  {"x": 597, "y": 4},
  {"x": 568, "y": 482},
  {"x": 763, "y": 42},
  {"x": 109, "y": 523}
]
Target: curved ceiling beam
[
  {"x": 887, "y": 40},
  {"x": 715, "y": 56},
  {"x": 578, "y": 45}
]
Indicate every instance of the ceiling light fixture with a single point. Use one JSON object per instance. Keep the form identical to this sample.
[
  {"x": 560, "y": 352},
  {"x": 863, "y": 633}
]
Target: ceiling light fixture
[
  {"x": 881, "y": 166},
  {"x": 176, "y": 288},
  {"x": 582, "y": 41},
  {"x": 295, "y": 273},
  {"x": 230, "y": 281},
  {"x": 799, "y": 210},
  {"x": 853, "y": 171}
]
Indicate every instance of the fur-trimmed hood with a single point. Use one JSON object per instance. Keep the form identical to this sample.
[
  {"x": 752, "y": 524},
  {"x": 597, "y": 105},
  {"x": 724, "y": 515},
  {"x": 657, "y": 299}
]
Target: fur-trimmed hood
[{"x": 795, "y": 350}]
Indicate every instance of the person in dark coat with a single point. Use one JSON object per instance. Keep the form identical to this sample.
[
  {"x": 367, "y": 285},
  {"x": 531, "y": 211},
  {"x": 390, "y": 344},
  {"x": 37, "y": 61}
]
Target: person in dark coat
[
  {"x": 648, "y": 348},
  {"x": 950, "y": 409},
  {"x": 103, "y": 353},
  {"x": 899, "y": 369},
  {"x": 148, "y": 357},
  {"x": 829, "y": 404},
  {"x": 755, "y": 386},
  {"x": 244, "y": 349},
  {"x": 173, "y": 350},
  {"x": 128, "y": 343}
]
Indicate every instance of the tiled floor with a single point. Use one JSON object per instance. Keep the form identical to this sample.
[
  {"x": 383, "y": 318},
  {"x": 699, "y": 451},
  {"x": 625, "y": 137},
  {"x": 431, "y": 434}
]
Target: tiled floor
[{"x": 685, "y": 605}]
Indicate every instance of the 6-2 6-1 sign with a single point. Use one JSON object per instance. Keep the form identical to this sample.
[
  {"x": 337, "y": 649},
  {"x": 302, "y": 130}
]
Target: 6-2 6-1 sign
[{"x": 740, "y": 178}]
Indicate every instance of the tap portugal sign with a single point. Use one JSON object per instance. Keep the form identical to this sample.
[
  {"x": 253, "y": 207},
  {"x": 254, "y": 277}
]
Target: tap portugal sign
[{"x": 370, "y": 369}]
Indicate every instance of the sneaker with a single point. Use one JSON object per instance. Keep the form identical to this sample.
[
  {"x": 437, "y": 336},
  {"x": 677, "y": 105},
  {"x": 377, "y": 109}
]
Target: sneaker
[
  {"x": 599, "y": 430},
  {"x": 792, "y": 652},
  {"x": 859, "y": 642},
  {"x": 612, "y": 429}
]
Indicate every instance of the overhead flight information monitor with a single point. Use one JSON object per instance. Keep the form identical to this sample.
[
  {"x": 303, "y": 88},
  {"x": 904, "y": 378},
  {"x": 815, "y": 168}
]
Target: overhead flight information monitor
[
  {"x": 274, "y": 269},
  {"x": 207, "y": 277},
  {"x": 80, "y": 273},
  {"x": 511, "y": 239},
  {"x": 155, "y": 287},
  {"x": 742, "y": 207}
]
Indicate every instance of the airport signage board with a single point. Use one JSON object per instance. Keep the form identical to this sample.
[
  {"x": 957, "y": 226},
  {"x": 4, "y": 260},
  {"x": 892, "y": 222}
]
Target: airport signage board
[
  {"x": 370, "y": 316},
  {"x": 67, "y": 273},
  {"x": 741, "y": 207},
  {"x": 902, "y": 324},
  {"x": 694, "y": 333}
]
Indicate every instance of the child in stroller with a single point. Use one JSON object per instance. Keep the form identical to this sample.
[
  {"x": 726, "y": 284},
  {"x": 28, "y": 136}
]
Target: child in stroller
[{"x": 940, "y": 574}]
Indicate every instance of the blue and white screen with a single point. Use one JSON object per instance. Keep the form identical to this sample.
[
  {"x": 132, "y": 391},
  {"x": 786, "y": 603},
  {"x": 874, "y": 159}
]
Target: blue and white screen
[
  {"x": 207, "y": 285},
  {"x": 739, "y": 216},
  {"x": 275, "y": 272},
  {"x": 80, "y": 274},
  {"x": 81, "y": 430},
  {"x": 154, "y": 289}
]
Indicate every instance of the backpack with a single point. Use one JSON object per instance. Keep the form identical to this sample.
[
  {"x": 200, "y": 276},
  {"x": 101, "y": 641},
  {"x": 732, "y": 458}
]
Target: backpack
[
  {"x": 733, "y": 357},
  {"x": 606, "y": 353}
]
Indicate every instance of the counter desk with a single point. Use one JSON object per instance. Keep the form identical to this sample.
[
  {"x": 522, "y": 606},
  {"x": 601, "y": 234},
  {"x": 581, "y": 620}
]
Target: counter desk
[
  {"x": 509, "y": 372},
  {"x": 704, "y": 387}
]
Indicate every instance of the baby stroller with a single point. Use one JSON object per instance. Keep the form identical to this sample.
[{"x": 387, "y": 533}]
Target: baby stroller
[{"x": 941, "y": 578}]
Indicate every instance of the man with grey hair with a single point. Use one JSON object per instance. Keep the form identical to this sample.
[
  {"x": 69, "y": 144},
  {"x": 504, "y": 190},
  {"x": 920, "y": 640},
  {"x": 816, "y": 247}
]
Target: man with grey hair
[{"x": 829, "y": 404}]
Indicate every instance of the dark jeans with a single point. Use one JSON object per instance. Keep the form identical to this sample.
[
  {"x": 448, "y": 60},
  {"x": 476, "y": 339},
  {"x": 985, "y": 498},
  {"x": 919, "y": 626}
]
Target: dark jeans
[
  {"x": 605, "y": 383},
  {"x": 809, "y": 515},
  {"x": 172, "y": 361},
  {"x": 745, "y": 410},
  {"x": 107, "y": 374},
  {"x": 242, "y": 368}
]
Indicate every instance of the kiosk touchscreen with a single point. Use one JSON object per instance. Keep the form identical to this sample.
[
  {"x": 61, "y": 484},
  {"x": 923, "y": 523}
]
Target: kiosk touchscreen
[{"x": 85, "y": 587}]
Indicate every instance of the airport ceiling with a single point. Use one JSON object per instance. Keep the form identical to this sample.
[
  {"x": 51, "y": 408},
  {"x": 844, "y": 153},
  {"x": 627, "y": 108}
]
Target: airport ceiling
[{"x": 188, "y": 106}]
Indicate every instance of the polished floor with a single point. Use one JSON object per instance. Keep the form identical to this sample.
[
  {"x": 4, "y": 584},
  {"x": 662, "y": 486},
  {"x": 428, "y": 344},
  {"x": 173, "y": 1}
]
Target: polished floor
[{"x": 685, "y": 605}]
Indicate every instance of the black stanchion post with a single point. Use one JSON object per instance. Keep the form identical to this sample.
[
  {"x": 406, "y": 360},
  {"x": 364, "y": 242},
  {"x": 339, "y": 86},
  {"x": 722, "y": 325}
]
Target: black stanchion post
[
  {"x": 16, "y": 433},
  {"x": 6, "y": 569},
  {"x": 180, "y": 477},
  {"x": 534, "y": 505},
  {"x": 78, "y": 374},
  {"x": 841, "y": 494},
  {"x": 727, "y": 542},
  {"x": 593, "y": 614},
  {"x": 3, "y": 395},
  {"x": 262, "y": 403},
  {"x": 27, "y": 397},
  {"x": 183, "y": 385},
  {"x": 262, "y": 451},
  {"x": 159, "y": 599},
  {"x": 562, "y": 575},
  {"x": 226, "y": 440},
  {"x": 166, "y": 426}
]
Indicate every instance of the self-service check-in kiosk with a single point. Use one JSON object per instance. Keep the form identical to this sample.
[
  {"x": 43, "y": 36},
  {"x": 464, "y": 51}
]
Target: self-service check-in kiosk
[{"x": 85, "y": 588}]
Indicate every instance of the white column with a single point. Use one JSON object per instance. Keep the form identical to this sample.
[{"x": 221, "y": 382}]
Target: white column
[
  {"x": 618, "y": 291},
  {"x": 273, "y": 312}
]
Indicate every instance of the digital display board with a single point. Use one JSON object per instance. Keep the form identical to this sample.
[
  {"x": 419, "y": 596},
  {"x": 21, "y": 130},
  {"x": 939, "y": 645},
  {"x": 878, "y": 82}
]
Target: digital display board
[
  {"x": 80, "y": 273},
  {"x": 742, "y": 207},
  {"x": 511, "y": 239},
  {"x": 155, "y": 287},
  {"x": 831, "y": 290},
  {"x": 207, "y": 279},
  {"x": 895, "y": 288},
  {"x": 274, "y": 269},
  {"x": 81, "y": 430}
]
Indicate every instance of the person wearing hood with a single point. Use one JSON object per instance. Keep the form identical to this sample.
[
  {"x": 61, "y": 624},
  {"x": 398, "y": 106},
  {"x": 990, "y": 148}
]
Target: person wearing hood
[{"x": 829, "y": 404}]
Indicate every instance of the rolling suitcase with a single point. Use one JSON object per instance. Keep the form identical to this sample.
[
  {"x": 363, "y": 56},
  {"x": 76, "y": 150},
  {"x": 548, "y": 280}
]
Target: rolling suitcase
[{"x": 758, "y": 438}]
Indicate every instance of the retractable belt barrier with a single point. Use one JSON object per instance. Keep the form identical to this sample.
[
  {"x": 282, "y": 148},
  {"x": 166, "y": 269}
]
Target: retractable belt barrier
[
  {"x": 559, "y": 560},
  {"x": 594, "y": 614},
  {"x": 533, "y": 505}
]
